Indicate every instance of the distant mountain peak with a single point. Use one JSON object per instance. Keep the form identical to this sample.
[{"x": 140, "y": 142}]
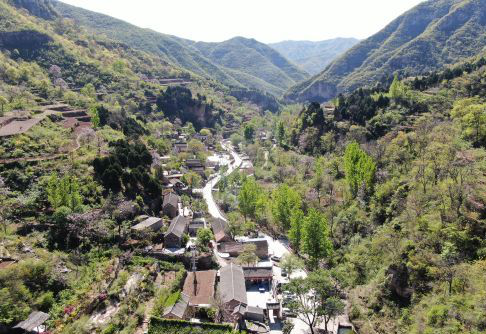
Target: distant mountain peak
[{"x": 314, "y": 56}]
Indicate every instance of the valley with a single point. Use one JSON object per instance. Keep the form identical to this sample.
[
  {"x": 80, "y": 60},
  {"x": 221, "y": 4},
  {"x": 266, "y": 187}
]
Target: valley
[{"x": 155, "y": 184}]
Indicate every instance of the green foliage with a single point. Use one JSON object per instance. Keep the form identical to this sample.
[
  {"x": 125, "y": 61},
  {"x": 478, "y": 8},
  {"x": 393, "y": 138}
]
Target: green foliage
[
  {"x": 471, "y": 114},
  {"x": 315, "y": 237},
  {"x": 250, "y": 199},
  {"x": 296, "y": 229},
  {"x": 248, "y": 256},
  {"x": 169, "y": 326},
  {"x": 249, "y": 133},
  {"x": 285, "y": 201},
  {"x": 64, "y": 192},
  {"x": 407, "y": 50},
  {"x": 359, "y": 169},
  {"x": 204, "y": 238}
]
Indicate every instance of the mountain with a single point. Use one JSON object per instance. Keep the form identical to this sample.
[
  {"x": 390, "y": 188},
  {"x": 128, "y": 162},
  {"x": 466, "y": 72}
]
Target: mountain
[
  {"x": 427, "y": 37},
  {"x": 314, "y": 56},
  {"x": 238, "y": 62}
]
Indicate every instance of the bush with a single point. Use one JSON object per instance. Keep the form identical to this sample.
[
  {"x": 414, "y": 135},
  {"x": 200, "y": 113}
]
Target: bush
[{"x": 168, "y": 326}]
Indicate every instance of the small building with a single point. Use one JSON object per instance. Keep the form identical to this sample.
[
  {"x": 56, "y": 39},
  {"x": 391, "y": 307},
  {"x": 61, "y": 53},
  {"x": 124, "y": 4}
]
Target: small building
[
  {"x": 180, "y": 147},
  {"x": 196, "y": 166},
  {"x": 149, "y": 224},
  {"x": 33, "y": 324},
  {"x": 196, "y": 225},
  {"x": 235, "y": 248},
  {"x": 177, "y": 185},
  {"x": 199, "y": 286},
  {"x": 180, "y": 310},
  {"x": 170, "y": 206},
  {"x": 232, "y": 290},
  {"x": 261, "y": 247},
  {"x": 220, "y": 230},
  {"x": 258, "y": 274},
  {"x": 173, "y": 236},
  {"x": 255, "y": 314}
]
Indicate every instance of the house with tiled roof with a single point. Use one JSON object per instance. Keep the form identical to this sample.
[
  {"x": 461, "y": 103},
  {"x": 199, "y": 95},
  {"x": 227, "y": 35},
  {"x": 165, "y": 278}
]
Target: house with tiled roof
[
  {"x": 180, "y": 310},
  {"x": 173, "y": 236},
  {"x": 199, "y": 286},
  {"x": 232, "y": 290},
  {"x": 170, "y": 206}
]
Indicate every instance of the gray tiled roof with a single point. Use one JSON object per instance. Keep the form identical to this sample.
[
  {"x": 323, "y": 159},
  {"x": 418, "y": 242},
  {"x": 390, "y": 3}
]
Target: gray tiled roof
[
  {"x": 179, "y": 308},
  {"x": 178, "y": 226},
  {"x": 232, "y": 284},
  {"x": 171, "y": 199},
  {"x": 34, "y": 320}
]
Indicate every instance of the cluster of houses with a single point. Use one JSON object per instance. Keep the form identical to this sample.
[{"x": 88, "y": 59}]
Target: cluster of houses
[{"x": 227, "y": 290}]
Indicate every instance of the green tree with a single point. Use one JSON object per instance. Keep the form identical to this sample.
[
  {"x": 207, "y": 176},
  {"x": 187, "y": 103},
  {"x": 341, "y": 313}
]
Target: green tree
[
  {"x": 316, "y": 299},
  {"x": 249, "y": 198},
  {"x": 471, "y": 114},
  {"x": 89, "y": 91},
  {"x": 315, "y": 237},
  {"x": 64, "y": 192},
  {"x": 317, "y": 181},
  {"x": 249, "y": 132},
  {"x": 204, "y": 237},
  {"x": 359, "y": 169},
  {"x": 192, "y": 180},
  {"x": 285, "y": 201},
  {"x": 398, "y": 90},
  {"x": 248, "y": 255},
  {"x": 280, "y": 133},
  {"x": 3, "y": 102},
  {"x": 296, "y": 226},
  {"x": 291, "y": 263}
]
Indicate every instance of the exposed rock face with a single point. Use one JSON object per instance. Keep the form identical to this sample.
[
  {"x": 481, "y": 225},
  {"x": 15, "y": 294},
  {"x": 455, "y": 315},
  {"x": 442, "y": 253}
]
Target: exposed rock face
[
  {"x": 39, "y": 8},
  {"x": 398, "y": 283},
  {"x": 23, "y": 40}
]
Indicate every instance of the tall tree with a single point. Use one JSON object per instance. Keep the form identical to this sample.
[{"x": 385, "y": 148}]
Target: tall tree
[
  {"x": 285, "y": 201},
  {"x": 249, "y": 198},
  {"x": 315, "y": 237},
  {"x": 316, "y": 299},
  {"x": 359, "y": 169},
  {"x": 248, "y": 255},
  {"x": 249, "y": 133},
  {"x": 296, "y": 226},
  {"x": 291, "y": 263}
]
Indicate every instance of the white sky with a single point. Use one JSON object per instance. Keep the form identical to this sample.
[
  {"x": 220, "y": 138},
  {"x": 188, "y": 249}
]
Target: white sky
[{"x": 265, "y": 20}]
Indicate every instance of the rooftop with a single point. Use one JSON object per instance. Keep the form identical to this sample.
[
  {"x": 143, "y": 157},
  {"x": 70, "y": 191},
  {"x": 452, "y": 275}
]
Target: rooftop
[
  {"x": 149, "y": 222},
  {"x": 179, "y": 308},
  {"x": 34, "y": 320},
  {"x": 177, "y": 226},
  {"x": 232, "y": 284},
  {"x": 201, "y": 289},
  {"x": 171, "y": 199}
]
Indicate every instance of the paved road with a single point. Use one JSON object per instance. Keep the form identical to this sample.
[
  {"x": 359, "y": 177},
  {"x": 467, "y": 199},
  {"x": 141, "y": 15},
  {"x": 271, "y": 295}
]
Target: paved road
[{"x": 207, "y": 191}]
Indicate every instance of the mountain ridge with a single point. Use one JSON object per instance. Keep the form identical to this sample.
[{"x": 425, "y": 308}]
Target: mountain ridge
[
  {"x": 427, "y": 37},
  {"x": 183, "y": 53},
  {"x": 314, "y": 56}
]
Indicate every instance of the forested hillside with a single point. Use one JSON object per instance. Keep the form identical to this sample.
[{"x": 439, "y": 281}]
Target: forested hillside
[
  {"x": 429, "y": 36},
  {"x": 398, "y": 174},
  {"x": 84, "y": 122},
  {"x": 238, "y": 62},
  {"x": 314, "y": 56}
]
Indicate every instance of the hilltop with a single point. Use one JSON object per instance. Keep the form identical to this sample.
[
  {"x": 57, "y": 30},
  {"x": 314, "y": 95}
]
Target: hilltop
[
  {"x": 313, "y": 57},
  {"x": 429, "y": 36}
]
